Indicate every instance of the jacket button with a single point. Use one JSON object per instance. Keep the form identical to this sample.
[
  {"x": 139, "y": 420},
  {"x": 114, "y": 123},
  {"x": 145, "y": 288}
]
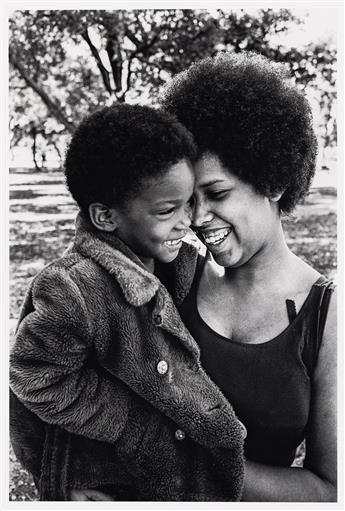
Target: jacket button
[
  {"x": 162, "y": 367},
  {"x": 243, "y": 430},
  {"x": 157, "y": 319},
  {"x": 180, "y": 434}
]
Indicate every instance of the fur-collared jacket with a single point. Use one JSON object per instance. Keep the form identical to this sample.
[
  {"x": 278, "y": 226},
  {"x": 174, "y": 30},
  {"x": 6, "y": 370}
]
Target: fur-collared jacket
[{"x": 102, "y": 357}]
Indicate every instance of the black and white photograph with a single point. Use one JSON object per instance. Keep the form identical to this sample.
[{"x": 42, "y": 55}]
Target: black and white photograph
[{"x": 172, "y": 203}]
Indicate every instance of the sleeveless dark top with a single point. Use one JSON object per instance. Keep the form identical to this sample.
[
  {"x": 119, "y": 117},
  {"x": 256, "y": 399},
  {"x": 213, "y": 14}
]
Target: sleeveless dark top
[{"x": 268, "y": 384}]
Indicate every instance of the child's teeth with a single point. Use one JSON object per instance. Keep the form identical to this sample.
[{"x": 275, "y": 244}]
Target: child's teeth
[{"x": 173, "y": 242}]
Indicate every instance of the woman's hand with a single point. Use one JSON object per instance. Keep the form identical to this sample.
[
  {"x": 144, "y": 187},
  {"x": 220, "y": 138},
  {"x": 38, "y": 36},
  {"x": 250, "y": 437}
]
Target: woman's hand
[{"x": 82, "y": 495}]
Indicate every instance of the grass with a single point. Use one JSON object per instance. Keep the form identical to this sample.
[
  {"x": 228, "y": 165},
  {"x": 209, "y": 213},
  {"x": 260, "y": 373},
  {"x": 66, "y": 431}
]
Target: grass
[{"x": 40, "y": 230}]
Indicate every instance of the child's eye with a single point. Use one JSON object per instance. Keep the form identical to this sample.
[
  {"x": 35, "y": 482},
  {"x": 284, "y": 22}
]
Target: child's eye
[{"x": 166, "y": 212}]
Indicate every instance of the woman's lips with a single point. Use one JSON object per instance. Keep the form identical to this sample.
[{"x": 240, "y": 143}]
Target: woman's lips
[{"x": 215, "y": 236}]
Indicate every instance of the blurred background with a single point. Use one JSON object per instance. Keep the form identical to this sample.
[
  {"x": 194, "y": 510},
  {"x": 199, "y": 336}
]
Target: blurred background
[{"x": 65, "y": 63}]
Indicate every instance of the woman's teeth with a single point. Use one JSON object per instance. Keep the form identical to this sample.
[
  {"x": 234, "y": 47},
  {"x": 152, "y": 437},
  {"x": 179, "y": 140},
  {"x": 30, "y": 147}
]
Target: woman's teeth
[{"x": 216, "y": 237}]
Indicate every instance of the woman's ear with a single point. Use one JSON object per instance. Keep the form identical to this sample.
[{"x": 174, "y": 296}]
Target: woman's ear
[
  {"x": 103, "y": 217},
  {"x": 275, "y": 197}
]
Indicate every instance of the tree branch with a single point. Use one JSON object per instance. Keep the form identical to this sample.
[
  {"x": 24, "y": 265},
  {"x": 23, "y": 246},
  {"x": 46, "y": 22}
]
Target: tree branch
[
  {"x": 52, "y": 106},
  {"x": 142, "y": 47},
  {"x": 132, "y": 38},
  {"x": 114, "y": 53},
  {"x": 128, "y": 81},
  {"x": 94, "y": 51},
  {"x": 15, "y": 138}
]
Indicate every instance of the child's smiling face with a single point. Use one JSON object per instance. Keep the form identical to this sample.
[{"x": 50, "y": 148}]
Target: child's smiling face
[{"x": 155, "y": 221}]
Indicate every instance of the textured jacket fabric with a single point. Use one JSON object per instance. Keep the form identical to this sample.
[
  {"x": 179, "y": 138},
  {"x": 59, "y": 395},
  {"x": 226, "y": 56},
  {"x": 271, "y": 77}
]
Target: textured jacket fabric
[{"x": 102, "y": 357}]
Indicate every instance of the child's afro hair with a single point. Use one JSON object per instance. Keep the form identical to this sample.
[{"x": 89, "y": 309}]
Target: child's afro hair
[
  {"x": 244, "y": 109},
  {"x": 117, "y": 150}
]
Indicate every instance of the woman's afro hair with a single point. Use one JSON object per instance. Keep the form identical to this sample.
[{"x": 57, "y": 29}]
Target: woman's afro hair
[
  {"x": 118, "y": 149},
  {"x": 244, "y": 109}
]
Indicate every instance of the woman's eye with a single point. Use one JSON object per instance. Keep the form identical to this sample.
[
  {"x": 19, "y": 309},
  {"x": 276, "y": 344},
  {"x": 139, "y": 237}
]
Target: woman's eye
[{"x": 218, "y": 194}]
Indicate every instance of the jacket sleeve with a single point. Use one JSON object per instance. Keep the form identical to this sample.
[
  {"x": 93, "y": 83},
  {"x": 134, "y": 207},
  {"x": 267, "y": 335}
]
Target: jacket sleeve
[{"x": 51, "y": 363}]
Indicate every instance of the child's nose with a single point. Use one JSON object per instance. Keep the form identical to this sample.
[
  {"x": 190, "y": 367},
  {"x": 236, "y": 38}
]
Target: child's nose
[{"x": 186, "y": 218}]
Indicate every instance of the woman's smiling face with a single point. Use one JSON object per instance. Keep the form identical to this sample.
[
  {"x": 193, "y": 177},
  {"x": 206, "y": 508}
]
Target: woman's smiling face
[{"x": 230, "y": 217}]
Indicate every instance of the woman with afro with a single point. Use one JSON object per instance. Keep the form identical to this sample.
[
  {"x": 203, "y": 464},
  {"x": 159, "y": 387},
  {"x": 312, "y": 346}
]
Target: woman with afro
[{"x": 265, "y": 320}]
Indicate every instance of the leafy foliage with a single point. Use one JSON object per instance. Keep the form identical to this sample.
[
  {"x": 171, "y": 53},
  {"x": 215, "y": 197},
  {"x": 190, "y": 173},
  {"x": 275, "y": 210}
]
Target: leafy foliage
[{"x": 65, "y": 63}]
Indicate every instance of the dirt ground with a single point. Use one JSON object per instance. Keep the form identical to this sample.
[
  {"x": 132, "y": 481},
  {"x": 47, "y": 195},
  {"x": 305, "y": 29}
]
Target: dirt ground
[{"x": 41, "y": 227}]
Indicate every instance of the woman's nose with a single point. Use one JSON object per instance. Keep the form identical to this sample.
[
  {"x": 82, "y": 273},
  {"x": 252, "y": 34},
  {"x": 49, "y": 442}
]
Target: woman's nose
[{"x": 201, "y": 214}]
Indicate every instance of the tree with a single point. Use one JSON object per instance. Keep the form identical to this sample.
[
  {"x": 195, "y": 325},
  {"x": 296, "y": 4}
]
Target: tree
[
  {"x": 132, "y": 51},
  {"x": 72, "y": 61}
]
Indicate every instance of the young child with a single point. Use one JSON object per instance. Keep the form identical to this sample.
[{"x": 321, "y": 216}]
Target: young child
[{"x": 115, "y": 397}]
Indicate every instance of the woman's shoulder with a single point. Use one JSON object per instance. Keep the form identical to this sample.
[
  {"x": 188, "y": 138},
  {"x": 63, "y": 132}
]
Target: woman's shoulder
[
  {"x": 299, "y": 279},
  {"x": 330, "y": 314}
]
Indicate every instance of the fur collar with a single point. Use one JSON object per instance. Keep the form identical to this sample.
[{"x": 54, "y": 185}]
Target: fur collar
[{"x": 137, "y": 283}]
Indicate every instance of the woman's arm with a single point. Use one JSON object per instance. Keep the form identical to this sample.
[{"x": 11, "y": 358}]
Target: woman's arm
[{"x": 316, "y": 482}]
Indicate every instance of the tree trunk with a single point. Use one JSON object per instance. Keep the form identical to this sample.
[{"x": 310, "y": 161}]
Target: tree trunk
[
  {"x": 52, "y": 106},
  {"x": 34, "y": 147}
]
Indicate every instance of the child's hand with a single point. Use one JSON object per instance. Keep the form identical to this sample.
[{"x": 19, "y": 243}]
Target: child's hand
[{"x": 82, "y": 495}]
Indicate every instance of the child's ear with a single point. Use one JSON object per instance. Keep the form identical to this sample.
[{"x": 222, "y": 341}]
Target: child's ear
[{"x": 103, "y": 217}]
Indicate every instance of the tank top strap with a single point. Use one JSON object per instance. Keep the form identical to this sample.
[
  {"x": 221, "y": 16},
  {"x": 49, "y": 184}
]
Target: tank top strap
[
  {"x": 327, "y": 288},
  {"x": 291, "y": 310},
  {"x": 323, "y": 289}
]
